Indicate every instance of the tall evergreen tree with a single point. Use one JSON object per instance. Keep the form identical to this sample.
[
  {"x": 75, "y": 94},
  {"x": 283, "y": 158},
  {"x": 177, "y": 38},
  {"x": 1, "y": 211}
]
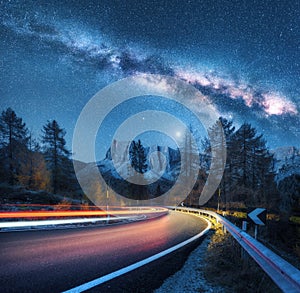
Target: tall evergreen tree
[
  {"x": 55, "y": 152},
  {"x": 34, "y": 174},
  {"x": 249, "y": 169},
  {"x": 14, "y": 138},
  {"x": 245, "y": 146},
  {"x": 219, "y": 138},
  {"x": 225, "y": 184},
  {"x": 251, "y": 163},
  {"x": 190, "y": 155},
  {"x": 190, "y": 165},
  {"x": 138, "y": 157}
]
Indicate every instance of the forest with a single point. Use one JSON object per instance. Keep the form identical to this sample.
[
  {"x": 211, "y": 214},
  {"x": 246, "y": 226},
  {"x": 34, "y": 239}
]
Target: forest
[
  {"x": 34, "y": 163},
  {"x": 250, "y": 176}
]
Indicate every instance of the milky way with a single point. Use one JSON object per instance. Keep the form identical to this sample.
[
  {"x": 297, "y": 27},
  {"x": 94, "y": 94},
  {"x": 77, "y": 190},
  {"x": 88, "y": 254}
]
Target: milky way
[{"x": 54, "y": 58}]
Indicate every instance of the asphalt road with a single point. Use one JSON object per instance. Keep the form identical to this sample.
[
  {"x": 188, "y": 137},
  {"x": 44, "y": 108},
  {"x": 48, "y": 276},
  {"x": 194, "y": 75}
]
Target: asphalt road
[{"x": 57, "y": 260}]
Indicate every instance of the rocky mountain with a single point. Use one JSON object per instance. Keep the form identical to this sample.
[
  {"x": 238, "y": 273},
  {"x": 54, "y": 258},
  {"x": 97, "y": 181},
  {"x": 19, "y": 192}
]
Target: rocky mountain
[
  {"x": 166, "y": 160},
  {"x": 287, "y": 162},
  {"x": 165, "y": 165}
]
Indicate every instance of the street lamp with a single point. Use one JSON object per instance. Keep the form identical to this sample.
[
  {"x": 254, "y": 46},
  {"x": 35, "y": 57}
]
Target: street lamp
[
  {"x": 107, "y": 202},
  {"x": 219, "y": 197}
]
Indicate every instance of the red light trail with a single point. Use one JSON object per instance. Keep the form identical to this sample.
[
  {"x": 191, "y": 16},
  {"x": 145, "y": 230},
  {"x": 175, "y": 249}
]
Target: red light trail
[{"x": 81, "y": 213}]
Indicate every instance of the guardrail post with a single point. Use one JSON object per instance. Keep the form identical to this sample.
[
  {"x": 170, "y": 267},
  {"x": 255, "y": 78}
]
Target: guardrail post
[
  {"x": 255, "y": 231},
  {"x": 243, "y": 252}
]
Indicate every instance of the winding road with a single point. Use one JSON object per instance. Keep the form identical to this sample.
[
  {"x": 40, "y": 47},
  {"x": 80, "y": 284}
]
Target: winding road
[{"x": 58, "y": 260}]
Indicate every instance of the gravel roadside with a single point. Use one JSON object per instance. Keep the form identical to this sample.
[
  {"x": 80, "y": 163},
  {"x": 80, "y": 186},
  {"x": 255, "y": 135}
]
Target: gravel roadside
[{"x": 191, "y": 277}]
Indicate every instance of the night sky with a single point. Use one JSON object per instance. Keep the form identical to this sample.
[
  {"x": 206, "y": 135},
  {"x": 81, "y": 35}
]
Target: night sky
[{"x": 243, "y": 55}]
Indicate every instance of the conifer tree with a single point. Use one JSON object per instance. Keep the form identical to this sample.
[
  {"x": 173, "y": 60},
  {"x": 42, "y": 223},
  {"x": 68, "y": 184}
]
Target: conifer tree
[
  {"x": 251, "y": 163},
  {"x": 14, "y": 138},
  {"x": 34, "y": 174},
  {"x": 249, "y": 169},
  {"x": 138, "y": 157},
  {"x": 55, "y": 152},
  {"x": 225, "y": 185}
]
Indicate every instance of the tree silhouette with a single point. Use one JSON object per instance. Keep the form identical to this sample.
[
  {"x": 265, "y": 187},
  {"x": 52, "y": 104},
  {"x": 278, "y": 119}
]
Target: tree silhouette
[
  {"x": 55, "y": 151},
  {"x": 13, "y": 133},
  {"x": 138, "y": 157}
]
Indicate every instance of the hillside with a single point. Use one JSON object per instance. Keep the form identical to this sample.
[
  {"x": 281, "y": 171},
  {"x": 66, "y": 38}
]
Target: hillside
[{"x": 287, "y": 162}]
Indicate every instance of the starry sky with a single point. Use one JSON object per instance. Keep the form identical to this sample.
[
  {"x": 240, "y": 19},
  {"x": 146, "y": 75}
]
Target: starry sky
[{"x": 244, "y": 56}]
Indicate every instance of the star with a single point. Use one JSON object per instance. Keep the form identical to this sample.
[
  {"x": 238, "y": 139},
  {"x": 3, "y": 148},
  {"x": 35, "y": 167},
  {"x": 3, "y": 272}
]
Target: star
[{"x": 54, "y": 60}]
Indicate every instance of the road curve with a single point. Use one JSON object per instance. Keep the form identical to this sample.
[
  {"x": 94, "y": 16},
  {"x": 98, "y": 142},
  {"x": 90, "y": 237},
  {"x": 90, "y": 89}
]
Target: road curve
[{"x": 57, "y": 260}]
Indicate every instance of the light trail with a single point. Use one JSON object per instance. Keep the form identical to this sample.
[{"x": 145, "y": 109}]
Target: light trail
[
  {"x": 22, "y": 224},
  {"x": 82, "y": 213}
]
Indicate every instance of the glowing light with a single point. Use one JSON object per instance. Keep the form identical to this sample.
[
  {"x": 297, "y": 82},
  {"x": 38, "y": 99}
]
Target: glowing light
[
  {"x": 277, "y": 105},
  {"x": 271, "y": 103},
  {"x": 178, "y": 134}
]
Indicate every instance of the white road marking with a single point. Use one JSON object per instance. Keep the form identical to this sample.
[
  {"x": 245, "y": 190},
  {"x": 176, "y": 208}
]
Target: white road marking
[{"x": 55, "y": 222}]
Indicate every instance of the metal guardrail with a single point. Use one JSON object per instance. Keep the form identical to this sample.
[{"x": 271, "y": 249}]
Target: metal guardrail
[{"x": 285, "y": 276}]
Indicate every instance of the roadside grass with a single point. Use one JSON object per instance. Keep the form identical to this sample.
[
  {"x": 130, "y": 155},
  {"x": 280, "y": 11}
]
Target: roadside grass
[
  {"x": 281, "y": 233},
  {"x": 226, "y": 267},
  {"x": 295, "y": 220}
]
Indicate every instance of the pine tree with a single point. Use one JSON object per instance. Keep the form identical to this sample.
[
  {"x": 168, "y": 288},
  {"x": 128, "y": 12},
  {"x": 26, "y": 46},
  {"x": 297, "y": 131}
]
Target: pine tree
[
  {"x": 244, "y": 144},
  {"x": 33, "y": 148},
  {"x": 55, "y": 152},
  {"x": 225, "y": 185},
  {"x": 190, "y": 165},
  {"x": 220, "y": 137},
  {"x": 249, "y": 169},
  {"x": 251, "y": 164},
  {"x": 190, "y": 156},
  {"x": 13, "y": 135},
  {"x": 34, "y": 174},
  {"x": 138, "y": 157}
]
